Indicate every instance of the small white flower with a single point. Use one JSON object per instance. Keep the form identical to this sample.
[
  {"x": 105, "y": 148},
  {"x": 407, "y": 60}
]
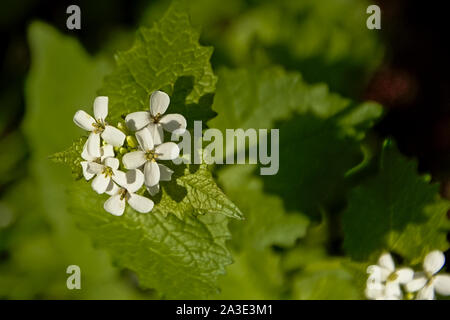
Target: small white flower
[
  {"x": 124, "y": 192},
  {"x": 106, "y": 172},
  {"x": 155, "y": 120},
  {"x": 429, "y": 282},
  {"x": 106, "y": 151},
  {"x": 98, "y": 127},
  {"x": 147, "y": 155},
  {"x": 384, "y": 280}
]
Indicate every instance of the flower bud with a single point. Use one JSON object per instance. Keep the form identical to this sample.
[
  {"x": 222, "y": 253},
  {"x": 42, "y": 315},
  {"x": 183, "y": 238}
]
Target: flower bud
[{"x": 132, "y": 142}]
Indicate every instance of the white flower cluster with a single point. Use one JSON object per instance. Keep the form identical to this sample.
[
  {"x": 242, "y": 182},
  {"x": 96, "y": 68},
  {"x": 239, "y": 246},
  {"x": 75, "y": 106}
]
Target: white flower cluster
[
  {"x": 142, "y": 164},
  {"x": 385, "y": 282}
]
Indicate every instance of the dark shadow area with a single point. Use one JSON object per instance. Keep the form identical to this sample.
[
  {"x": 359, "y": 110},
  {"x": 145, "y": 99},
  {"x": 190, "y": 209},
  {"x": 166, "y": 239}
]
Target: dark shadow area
[
  {"x": 345, "y": 76},
  {"x": 314, "y": 157},
  {"x": 201, "y": 111}
]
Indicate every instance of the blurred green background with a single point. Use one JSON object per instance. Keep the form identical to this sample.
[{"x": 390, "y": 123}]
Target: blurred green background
[{"x": 48, "y": 72}]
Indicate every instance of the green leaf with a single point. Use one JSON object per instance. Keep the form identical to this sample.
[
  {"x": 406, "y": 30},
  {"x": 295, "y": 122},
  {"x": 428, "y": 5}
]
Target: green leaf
[
  {"x": 317, "y": 128},
  {"x": 180, "y": 258},
  {"x": 325, "y": 280},
  {"x": 267, "y": 223},
  {"x": 194, "y": 192},
  {"x": 309, "y": 36},
  {"x": 256, "y": 272},
  {"x": 254, "y": 275},
  {"x": 72, "y": 157},
  {"x": 43, "y": 238},
  {"x": 179, "y": 248},
  {"x": 162, "y": 55},
  {"x": 397, "y": 211}
]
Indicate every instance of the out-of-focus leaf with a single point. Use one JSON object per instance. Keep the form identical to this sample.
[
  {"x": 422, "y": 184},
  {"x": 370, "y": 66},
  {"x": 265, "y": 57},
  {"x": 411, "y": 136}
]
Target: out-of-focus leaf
[
  {"x": 12, "y": 157},
  {"x": 320, "y": 132},
  {"x": 397, "y": 210},
  {"x": 255, "y": 274},
  {"x": 266, "y": 223},
  {"x": 325, "y": 280},
  {"x": 44, "y": 240},
  {"x": 321, "y": 39}
]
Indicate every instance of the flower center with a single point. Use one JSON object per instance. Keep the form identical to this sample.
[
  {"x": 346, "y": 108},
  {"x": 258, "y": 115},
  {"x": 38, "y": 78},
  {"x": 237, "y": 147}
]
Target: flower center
[
  {"x": 150, "y": 155},
  {"x": 107, "y": 171},
  {"x": 157, "y": 118},
  {"x": 123, "y": 193},
  {"x": 392, "y": 277},
  {"x": 99, "y": 126}
]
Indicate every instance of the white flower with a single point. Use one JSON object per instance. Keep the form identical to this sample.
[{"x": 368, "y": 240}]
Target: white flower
[
  {"x": 106, "y": 172},
  {"x": 98, "y": 127},
  {"x": 147, "y": 155},
  {"x": 384, "y": 280},
  {"x": 155, "y": 120},
  {"x": 124, "y": 192},
  {"x": 106, "y": 151},
  {"x": 429, "y": 282}
]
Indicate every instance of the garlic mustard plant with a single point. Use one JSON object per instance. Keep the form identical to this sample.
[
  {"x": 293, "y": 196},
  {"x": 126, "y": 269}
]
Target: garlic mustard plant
[{"x": 155, "y": 119}]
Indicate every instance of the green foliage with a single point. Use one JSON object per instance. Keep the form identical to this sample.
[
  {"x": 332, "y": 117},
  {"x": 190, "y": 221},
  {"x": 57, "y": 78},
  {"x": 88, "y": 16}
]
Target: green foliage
[
  {"x": 326, "y": 40},
  {"x": 182, "y": 253},
  {"x": 179, "y": 258},
  {"x": 43, "y": 239},
  {"x": 334, "y": 189},
  {"x": 266, "y": 223},
  {"x": 159, "y": 57},
  {"x": 316, "y": 127},
  {"x": 256, "y": 272},
  {"x": 397, "y": 210}
]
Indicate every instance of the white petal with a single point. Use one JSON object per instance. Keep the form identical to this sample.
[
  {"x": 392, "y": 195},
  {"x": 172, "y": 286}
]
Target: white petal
[
  {"x": 165, "y": 173},
  {"x": 172, "y": 122},
  {"x": 101, "y": 108},
  {"x": 416, "y": 284},
  {"x": 153, "y": 190},
  {"x": 140, "y": 204},
  {"x": 135, "y": 180},
  {"x": 95, "y": 168},
  {"x": 151, "y": 173},
  {"x": 427, "y": 293},
  {"x": 167, "y": 151},
  {"x": 386, "y": 261},
  {"x": 392, "y": 289},
  {"x": 113, "y": 136},
  {"x": 85, "y": 154},
  {"x": 137, "y": 120},
  {"x": 84, "y": 120},
  {"x": 405, "y": 275},
  {"x": 377, "y": 273},
  {"x": 120, "y": 178},
  {"x": 113, "y": 163},
  {"x": 107, "y": 151},
  {"x": 115, "y": 205},
  {"x": 434, "y": 261},
  {"x": 157, "y": 132},
  {"x": 100, "y": 183},
  {"x": 87, "y": 175},
  {"x": 93, "y": 145},
  {"x": 374, "y": 291},
  {"x": 112, "y": 189},
  {"x": 442, "y": 284},
  {"x": 386, "y": 297},
  {"x": 145, "y": 139},
  {"x": 133, "y": 160},
  {"x": 159, "y": 102}
]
